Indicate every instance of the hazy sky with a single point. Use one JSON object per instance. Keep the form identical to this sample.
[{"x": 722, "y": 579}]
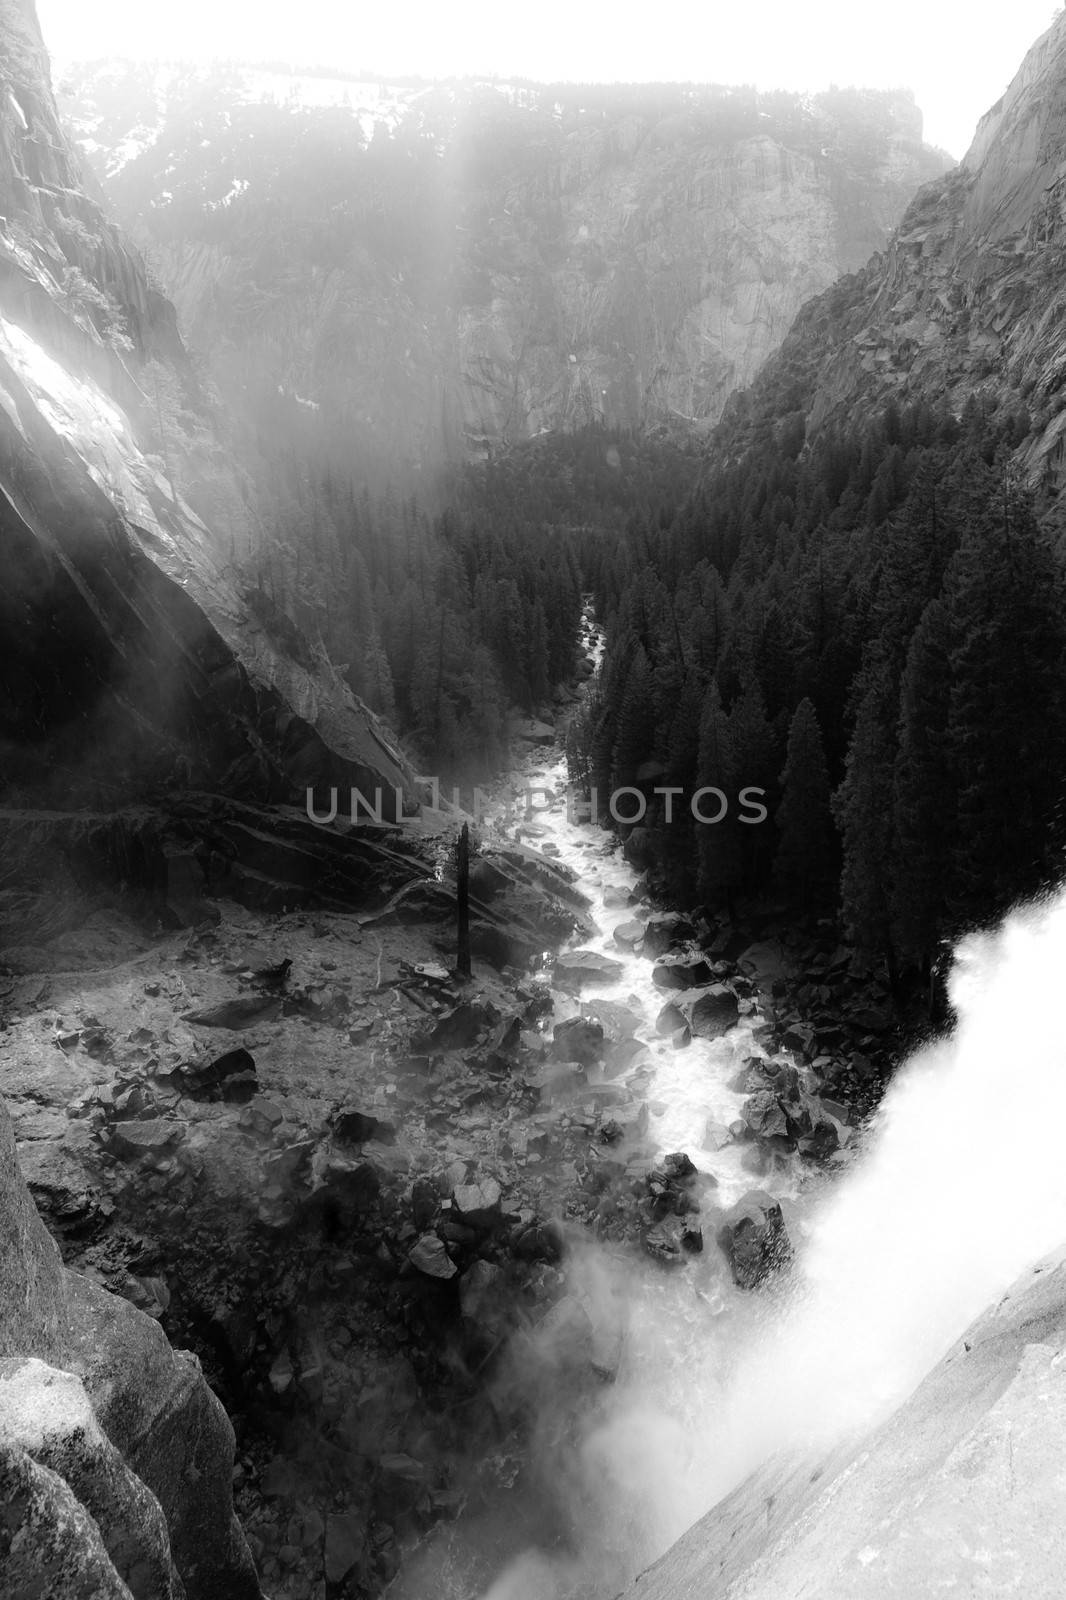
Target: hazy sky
[{"x": 957, "y": 55}]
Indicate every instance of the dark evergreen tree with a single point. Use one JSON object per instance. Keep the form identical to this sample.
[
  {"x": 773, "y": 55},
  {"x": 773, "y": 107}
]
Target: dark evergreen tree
[
  {"x": 719, "y": 849},
  {"x": 862, "y": 807},
  {"x": 806, "y": 861},
  {"x": 925, "y": 800}
]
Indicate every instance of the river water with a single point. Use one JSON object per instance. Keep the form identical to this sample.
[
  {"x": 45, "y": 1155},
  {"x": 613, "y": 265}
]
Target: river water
[
  {"x": 959, "y": 1189},
  {"x": 688, "y": 1087},
  {"x": 612, "y": 1478}
]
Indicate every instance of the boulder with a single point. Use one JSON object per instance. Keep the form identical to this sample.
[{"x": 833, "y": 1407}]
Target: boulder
[
  {"x": 344, "y": 1543},
  {"x": 678, "y": 1168},
  {"x": 586, "y": 969},
  {"x": 822, "y": 1141},
  {"x": 765, "y": 961},
  {"x": 478, "y": 1204},
  {"x": 622, "y": 1055},
  {"x": 670, "y": 1020},
  {"x": 670, "y": 1240},
  {"x": 628, "y": 934},
  {"x": 541, "y": 1241},
  {"x": 460, "y": 1028},
  {"x": 671, "y": 1185},
  {"x": 481, "y": 1299},
  {"x": 346, "y": 1186},
  {"x": 618, "y": 1020},
  {"x": 349, "y": 1125},
  {"x": 664, "y": 930},
  {"x": 152, "y": 1137},
  {"x": 430, "y": 1257},
  {"x": 716, "y": 1136},
  {"x": 639, "y": 848},
  {"x": 764, "y": 1115},
  {"x": 229, "y": 1077},
  {"x": 262, "y": 1116},
  {"x": 245, "y": 1011},
  {"x": 709, "y": 1012},
  {"x": 754, "y": 1239},
  {"x": 578, "y": 1039},
  {"x": 681, "y": 972},
  {"x": 799, "y": 1037}
]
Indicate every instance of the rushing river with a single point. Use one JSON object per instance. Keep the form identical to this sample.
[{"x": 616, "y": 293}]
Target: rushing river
[
  {"x": 689, "y": 1086},
  {"x": 958, "y": 1190},
  {"x": 612, "y": 1478}
]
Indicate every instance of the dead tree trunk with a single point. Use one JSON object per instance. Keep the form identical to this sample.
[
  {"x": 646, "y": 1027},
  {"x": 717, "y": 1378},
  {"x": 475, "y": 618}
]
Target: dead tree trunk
[{"x": 462, "y": 899}]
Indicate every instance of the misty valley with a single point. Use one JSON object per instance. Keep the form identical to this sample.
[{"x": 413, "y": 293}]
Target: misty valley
[{"x": 533, "y": 762}]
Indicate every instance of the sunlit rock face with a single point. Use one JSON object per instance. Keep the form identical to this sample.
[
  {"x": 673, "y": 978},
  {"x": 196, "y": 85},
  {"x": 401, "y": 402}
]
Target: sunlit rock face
[
  {"x": 115, "y": 1457},
  {"x": 132, "y": 658},
  {"x": 426, "y": 272},
  {"x": 956, "y": 1491},
  {"x": 967, "y": 302}
]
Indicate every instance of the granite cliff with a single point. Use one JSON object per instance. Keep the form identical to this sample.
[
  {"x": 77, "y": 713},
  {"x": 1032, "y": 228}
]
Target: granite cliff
[
  {"x": 955, "y": 1491},
  {"x": 133, "y": 656},
  {"x": 966, "y": 301},
  {"x": 415, "y": 272},
  {"x": 115, "y": 1456}
]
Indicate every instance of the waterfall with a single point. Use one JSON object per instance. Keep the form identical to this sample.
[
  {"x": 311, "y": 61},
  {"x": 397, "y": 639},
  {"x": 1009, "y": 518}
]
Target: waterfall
[{"x": 959, "y": 1189}]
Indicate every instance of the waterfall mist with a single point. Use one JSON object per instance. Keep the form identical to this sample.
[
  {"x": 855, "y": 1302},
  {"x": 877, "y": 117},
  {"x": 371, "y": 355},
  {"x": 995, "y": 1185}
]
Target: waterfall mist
[{"x": 959, "y": 1189}]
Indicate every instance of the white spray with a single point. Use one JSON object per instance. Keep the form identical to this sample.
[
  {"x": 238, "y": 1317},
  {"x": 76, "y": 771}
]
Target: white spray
[{"x": 961, "y": 1187}]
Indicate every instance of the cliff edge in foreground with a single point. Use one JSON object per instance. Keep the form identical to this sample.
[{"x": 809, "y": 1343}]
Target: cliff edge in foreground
[
  {"x": 960, "y": 1490},
  {"x": 116, "y": 1458}
]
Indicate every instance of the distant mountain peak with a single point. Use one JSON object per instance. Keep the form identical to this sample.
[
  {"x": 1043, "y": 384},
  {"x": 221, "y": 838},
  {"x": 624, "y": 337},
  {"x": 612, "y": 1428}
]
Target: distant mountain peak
[{"x": 447, "y": 268}]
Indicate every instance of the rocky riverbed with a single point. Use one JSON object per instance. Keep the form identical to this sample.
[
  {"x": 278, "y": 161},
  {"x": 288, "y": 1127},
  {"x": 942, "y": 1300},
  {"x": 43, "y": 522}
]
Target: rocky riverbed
[{"x": 366, "y": 1192}]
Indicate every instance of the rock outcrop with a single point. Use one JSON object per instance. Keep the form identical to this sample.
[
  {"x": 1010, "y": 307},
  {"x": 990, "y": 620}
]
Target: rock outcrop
[
  {"x": 630, "y": 256},
  {"x": 967, "y": 300},
  {"x": 134, "y": 661},
  {"x": 958, "y": 1490},
  {"x": 115, "y": 1456}
]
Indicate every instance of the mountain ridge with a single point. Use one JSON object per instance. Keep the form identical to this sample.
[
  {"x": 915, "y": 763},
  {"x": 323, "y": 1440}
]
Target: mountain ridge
[
  {"x": 497, "y": 260},
  {"x": 965, "y": 302}
]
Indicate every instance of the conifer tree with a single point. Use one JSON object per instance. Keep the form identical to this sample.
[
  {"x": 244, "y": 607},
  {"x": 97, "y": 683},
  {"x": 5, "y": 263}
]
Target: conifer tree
[
  {"x": 636, "y": 729},
  {"x": 863, "y": 812},
  {"x": 1006, "y": 724},
  {"x": 806, "y": 849},
  {"x": 719, "y": 851},
  {"x": 756, "y": 758},
  {"x": 924, "y": 797}
]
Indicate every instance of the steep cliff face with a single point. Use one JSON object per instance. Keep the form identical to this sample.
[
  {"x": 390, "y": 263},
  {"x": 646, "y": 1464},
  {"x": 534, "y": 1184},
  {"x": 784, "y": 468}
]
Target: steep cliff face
[
  {"x": 968, "y": 298},
  {"x": 132, "y": 657},
  {"x": 955, "y": 1492},
  {"x": 432, "y": 270},
  {"x": 115, "y": 1456}
]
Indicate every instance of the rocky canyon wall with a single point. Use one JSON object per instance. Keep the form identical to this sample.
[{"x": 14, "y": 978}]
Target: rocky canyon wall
[
  {"x": 425, "y": 272},
  {"x": 966, "y": 302},
  {"x": 135, "y": 659}
]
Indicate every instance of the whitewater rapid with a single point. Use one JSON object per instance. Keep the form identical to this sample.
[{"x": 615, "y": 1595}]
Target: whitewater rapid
[
  {"x": 689, "y": 1086},
  {"x": 956, "y": 1188},
  {"x": 959, "y": 1188}
]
